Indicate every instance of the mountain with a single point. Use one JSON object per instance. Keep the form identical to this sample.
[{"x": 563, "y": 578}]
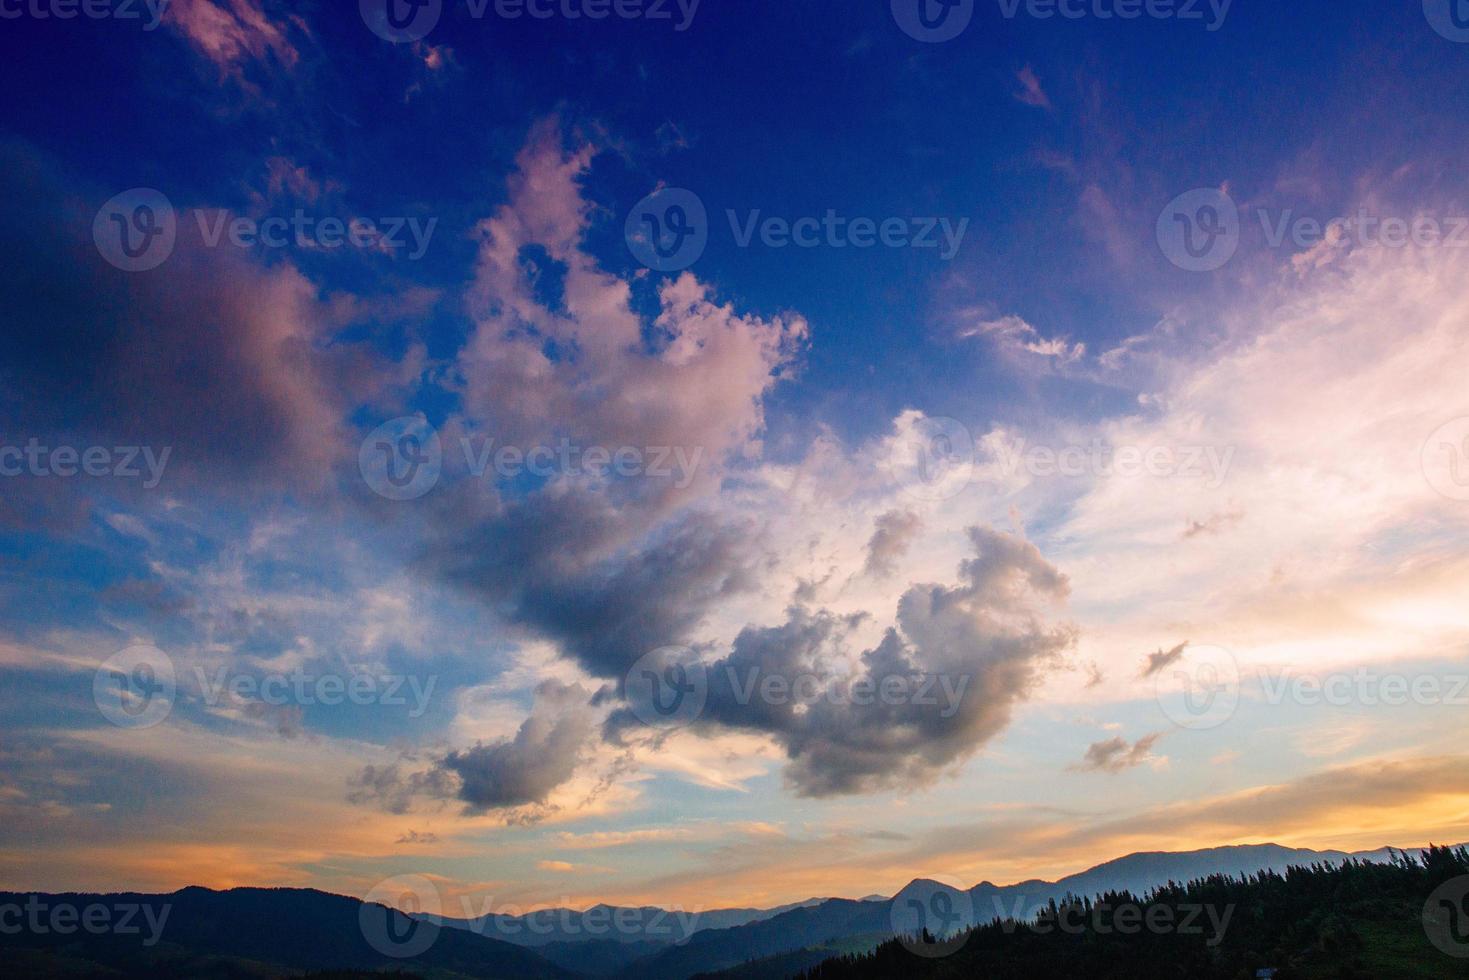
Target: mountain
[
  {"x": 252, "y": 932},
  {"x": 1330, "y": 921},
  {"x": 1137, "y": 873},
  {"x": 868, "y": 922},
  {"x": 244, "y": 932},
  {"x": 603, "y": 924},
  {"x": 719, "y": 949},
  {"x": 597, "y": 957}
]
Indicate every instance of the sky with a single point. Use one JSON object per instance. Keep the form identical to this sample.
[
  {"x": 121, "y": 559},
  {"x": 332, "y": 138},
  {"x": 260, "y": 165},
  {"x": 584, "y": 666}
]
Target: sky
[{"x": 720, "y": 454}]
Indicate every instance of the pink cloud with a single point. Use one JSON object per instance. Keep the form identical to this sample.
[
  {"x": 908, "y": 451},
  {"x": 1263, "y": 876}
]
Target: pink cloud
[
  {"x": 700, "y": 384},
  {"x": 1031, "y": 93},
  {"x": 232, "y": 32}
]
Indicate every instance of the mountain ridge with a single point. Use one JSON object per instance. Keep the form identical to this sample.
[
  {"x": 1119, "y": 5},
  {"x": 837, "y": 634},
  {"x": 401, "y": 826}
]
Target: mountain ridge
[
  {"x": 842, "y": 920},
  {"x": 212, "y": 932}
]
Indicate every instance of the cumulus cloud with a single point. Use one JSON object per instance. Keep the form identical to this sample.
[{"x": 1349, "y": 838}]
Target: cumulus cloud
[
  {"x": 560, "y": 564},
  {"x": 585, "y": 363},
  {"x": 964, "y": 655},
  {"x": 527, "y": 768},
  {"x": 512, "y": 774},
  {"x": 1115, "y": 755},
  {"x": 607, "y": 568}
]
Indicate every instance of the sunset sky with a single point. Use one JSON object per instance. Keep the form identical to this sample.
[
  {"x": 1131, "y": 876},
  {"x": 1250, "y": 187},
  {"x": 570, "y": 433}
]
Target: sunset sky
[{"x": 1099, "y": 368}]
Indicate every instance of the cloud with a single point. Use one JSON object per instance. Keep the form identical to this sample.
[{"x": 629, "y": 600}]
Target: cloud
[
  {"x": 566, "y": 867},
  {"x": 896, "y": 531},
  {"x": 1370, "y": 802},
  {"x": 542, "y": 755},
  {"x": 285, "y": 179},
  {"x": 981, "y": 645},
  {"x": 1336, "y": 564},
  {"x": 584, "y": 363},
  {"x": 249, "y": 813},
  {"x": 1031, "y": 93},
  {"x": 608, "y": 568},
  {"x": 1103, "y": 222},
  {"x": 233, "y": 33},
  {"x": 388, "y": 788},
  {"x": 561, "y": 564},
  {"x": 434, "y": 58},
  {"x": 237, "y": 366},
  {"x": 1115, "y": 755},
  {"x": 604, "y": 839},
  {"x": 1405, "y": 802},
  {"x": 1162, "y": 659},
  {"x": 1013, "y": 337},
  {"x": 1214, "y": 524},
  {"x": 519, "y": 773}
]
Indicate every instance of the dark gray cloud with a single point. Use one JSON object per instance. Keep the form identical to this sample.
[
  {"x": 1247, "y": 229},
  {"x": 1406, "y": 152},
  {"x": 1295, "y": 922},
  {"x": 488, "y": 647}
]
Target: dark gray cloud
[
  {"x": 958, "y": 659},
  {"x": 543, "y": 754},
  {"x": 1156, "y": 662},
  {"x": 1115, "y": 755},
  {"x": 390, "y": 788},
  {"x": 572, "y": 567},
  {"x": 512, "y": 773},
  {"x": 894, "y": 535}
]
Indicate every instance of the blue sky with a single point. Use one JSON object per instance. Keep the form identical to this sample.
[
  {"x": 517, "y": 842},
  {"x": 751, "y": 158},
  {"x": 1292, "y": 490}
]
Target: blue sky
[{"x": 1023, "y": 459}]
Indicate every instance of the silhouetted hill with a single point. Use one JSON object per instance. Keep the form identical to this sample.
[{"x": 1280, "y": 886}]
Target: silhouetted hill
[
  {"x": 253, "y": 933},
  {"x": 597, "y": 958},
  {"x": 249, "y": 932},
  {"x": 602, "y": 924},
  {"x": 718, "y": 949}
]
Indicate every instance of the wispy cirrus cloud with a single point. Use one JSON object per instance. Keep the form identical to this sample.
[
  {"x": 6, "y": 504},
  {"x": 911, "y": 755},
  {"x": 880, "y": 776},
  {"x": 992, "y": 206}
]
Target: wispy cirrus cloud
[
  {"x": 1014, "y": 338},
  {"x": 1031, "y": 93},
  {"x": 233, "y": 33}
]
